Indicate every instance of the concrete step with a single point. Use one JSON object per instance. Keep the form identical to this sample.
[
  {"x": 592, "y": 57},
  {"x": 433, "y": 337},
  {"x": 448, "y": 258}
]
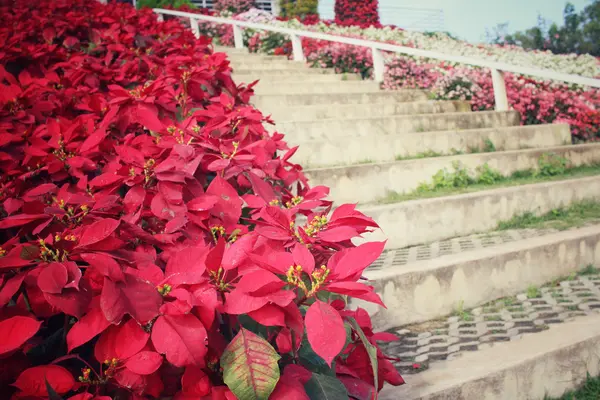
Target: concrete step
[
  {"x": 337, "y": 129},
  {"x": 283, "y": 73},
  {"x": 282, "y": 80},
  {"x": 432, "y": 288},
  {"x": 370, "y": 182},
  {"x": 382, "y": 147},
  {"x": 547, "y": 363},
  {"x": 414, "y": 222},
  {"x": 266, "y": 103},
  {"x": 258, "y": 64},
  {"x": 310, "y": 87},
  {"x": 318, "y": 112},
  {"x": 230, "y": 50},
  {"x": 255, "y": 57}
]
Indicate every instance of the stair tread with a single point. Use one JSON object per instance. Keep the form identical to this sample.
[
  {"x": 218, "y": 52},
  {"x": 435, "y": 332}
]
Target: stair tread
[
  {"x": 535, "y": 365},
  {"x": 454, "y": 157},
  {"x": 484, "y": 192}
]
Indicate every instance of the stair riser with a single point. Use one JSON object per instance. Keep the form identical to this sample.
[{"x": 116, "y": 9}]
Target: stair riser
[
  {"x": 231, "y": 51},
  {"x": 258, "y": 65},
  {"x": 383, "y": 148},
  {"x": 422, "y": 221},
  {"x": 317, "y": 112},
  {"x": 369, "y": 127},
  {"x": 318, "y": 88},
  {"x": 284, "y": 73},
  {"x": 265, "y": 79},
  {"x": 272, "y": 102},
  {"x": 257, "y": 58},
  {"x": 377, "y": 180},
  {"x": 432, "y": 289}
]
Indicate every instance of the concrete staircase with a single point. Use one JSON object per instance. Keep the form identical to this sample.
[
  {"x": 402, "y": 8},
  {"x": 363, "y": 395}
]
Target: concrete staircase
[{"x": 365, "y": 143}]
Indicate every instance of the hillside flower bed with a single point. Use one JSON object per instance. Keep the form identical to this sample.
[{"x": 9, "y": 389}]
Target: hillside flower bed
[
  {"x": 539, "y": 102},
  {"x": 361, "y": 13},
  {"x": 148, "y": 238}
]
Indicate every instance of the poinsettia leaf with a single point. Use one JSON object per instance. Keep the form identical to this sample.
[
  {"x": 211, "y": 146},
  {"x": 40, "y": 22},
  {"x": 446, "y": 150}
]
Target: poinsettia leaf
[
  {"x": 312, "y": 360},
  {"x": 135, "y": 297},
  {"x": 325, "y": 330},
  {"x": 144, "y": 362},
  {"x": 357, "y": 388},
  {"x": 371, "y": 349},
  {"x": 16, "y": 331},
  {"x": 250, "y": 366},
  {"x": 324, "y": 387},
  {"x": 52, "y": 395},
  {"x": 181, "y": 338},
  {"x": 90, "y": 325},
  {"x": 32, "y": 381},
  {"x": 98, "y": 231}
]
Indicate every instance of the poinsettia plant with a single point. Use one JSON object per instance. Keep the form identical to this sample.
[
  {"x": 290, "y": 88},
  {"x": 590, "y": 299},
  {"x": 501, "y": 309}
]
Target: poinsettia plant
[{"x": 151, "y": 234}]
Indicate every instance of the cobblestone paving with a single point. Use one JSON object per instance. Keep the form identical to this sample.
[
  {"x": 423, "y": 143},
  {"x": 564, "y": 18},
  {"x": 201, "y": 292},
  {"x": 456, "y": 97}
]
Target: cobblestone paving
[
  {"x": 500, "y": 321},
  {"x": 399, "y": 257},
  {"x": 407, "y": 255}
]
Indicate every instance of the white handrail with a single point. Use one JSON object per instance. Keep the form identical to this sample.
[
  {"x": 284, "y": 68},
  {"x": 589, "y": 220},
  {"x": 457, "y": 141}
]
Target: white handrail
[{"x": 497, "y": 68}]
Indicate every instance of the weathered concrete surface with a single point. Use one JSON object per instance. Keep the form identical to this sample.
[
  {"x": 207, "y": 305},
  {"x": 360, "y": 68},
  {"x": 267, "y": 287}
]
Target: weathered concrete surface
[
  {"x": 377, "y": 180},
  {"x": 319, "y": 112},
  {"x": 540, "y": 364},
  {"x": 299, "y": 87},
  {"x": 283, "y": 73},
  {"x": 281, "y": 80},
  {"x": 430, "y": 289},
  {"x": 421, "y": 221},
  {"x": 266, "y": 103},
  {"x": 256, "y": 57},
  {"x": 380, "y": 148},
  {"x": 254, "y": 65},
  {"x": 340, "y": 129}
]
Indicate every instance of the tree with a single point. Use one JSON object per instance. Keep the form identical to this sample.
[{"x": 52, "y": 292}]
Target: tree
[
  {"x": 579, "y": 33},
  {"x": 299, "y": 8}
]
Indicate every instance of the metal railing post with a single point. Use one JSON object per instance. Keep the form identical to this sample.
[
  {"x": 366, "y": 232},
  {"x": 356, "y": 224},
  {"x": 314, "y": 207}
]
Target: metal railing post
[
  {"x": 378, "y": 65},
  {"x": 238, "y": 37},
  {"x": 297, "y": 51},
  {"x": 499, "y": 90},
  {"x": 159, "y": 17},
  {"x": 195, "y": 28}
]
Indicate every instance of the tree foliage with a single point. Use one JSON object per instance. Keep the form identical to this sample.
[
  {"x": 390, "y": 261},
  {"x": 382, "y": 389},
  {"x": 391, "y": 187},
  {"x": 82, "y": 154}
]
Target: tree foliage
[{"x": 579, "y": 33}]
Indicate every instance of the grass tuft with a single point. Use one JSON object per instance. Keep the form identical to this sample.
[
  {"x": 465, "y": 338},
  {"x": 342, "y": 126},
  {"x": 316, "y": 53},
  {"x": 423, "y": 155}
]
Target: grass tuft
[
  {"x": 589, "y": 391},
  {"x": 561, "y": 218}
]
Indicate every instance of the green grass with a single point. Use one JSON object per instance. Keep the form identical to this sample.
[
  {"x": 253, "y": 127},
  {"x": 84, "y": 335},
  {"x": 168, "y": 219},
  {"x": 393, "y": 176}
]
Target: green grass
[
  {"x": 533, "y": 292},
  {"x": 589, "y": 270},
  {"x": 424, "y": 154},
  {"x": 563, "y": 218},
  {"x": 464, "y": 315},
  {"x": 589, "y": 391},
  {"x": 516, "y": 179}
]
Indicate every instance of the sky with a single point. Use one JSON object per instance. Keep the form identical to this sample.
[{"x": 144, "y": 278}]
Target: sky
[{"x": 467, "y": 19}]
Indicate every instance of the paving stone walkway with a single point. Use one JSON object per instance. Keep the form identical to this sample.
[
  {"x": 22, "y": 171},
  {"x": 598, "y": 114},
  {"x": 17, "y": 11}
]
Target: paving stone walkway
[
  {"x": 502, "y": 320},
  {"x": 407, "y": 255}
]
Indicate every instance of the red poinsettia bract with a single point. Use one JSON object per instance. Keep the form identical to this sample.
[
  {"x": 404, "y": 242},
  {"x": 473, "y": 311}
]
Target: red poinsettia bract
[{"x": 151, "y": 242}]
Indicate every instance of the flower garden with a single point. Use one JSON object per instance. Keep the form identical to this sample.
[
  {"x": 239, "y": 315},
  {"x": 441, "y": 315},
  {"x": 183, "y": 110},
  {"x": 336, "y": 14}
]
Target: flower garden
[
  {"x": 148, "y": 238},
  {"x": 537, "y": 101}
]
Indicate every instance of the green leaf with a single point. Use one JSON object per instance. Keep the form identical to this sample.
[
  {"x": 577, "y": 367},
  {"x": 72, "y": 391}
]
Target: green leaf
[
  {"x": 371, "y": 350},
  {"x": 250, "y": 368},
  {"x": 323, "y": 387}
]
